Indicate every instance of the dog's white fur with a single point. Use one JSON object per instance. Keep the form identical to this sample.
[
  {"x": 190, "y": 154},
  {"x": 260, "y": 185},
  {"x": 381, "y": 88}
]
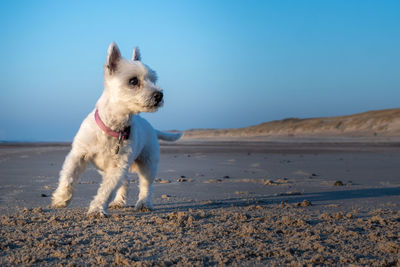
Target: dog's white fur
[{"x": 119, "y": 106}]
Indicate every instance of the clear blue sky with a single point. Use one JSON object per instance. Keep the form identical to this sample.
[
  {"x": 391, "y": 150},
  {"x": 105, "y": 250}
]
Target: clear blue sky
[{"x": 221, "y": 63}]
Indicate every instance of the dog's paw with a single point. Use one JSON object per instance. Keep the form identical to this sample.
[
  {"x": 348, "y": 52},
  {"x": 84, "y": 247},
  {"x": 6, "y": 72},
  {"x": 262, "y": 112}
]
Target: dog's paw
[
  {"x": 55, "y": 203},
  {"x": 116, "y": 205},
  {"x": 61, "y": 197},
  {"x": 97, "y": 214},
  {"x": 143, "y": 206}
]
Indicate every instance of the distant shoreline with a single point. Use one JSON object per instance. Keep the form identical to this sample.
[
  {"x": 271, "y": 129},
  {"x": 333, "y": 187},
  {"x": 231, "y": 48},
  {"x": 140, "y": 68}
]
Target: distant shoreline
[
  {"x": 245, "y": 140},
  {"x": 377, "y": 126},
  {"x": 5, "y": 144},
  {"x": 240, "y": 146}
]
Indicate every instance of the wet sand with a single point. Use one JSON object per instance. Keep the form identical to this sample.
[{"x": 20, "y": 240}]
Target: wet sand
[{"x": 215, "y": 203}]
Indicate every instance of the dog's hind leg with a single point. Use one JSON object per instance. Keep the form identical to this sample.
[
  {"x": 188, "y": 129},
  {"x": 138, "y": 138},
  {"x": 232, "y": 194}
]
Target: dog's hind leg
[
  {"x": 74, "y": 164},
  {"x": 112, "y": 180},
  {"x": 121, "y": 195}
]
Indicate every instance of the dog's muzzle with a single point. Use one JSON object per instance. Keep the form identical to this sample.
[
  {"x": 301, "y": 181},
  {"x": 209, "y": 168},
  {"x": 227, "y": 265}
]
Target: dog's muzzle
[{"x": 158, "y": 97}]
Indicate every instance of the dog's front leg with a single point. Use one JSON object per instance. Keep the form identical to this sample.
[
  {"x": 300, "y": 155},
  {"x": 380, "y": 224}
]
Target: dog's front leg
[
  {"x": 121, "y": 195},
  {"x": 112, "y": 180},
  {"x": 147, "y": 172},
  {"x": 74, "y": 164}
]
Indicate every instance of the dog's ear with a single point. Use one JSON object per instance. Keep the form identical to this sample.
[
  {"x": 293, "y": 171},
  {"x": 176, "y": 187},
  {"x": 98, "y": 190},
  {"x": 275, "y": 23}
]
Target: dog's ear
[
  {"x": 113, "y": 56},
  {"x": 136, "y": 54}
]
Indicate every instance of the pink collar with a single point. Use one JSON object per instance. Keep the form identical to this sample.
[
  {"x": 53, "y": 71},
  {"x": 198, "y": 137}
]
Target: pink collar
[{"x": 124, "y": 135}]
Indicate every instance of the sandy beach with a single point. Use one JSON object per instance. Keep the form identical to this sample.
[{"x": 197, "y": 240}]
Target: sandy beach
[{"x": 252, "y": 203}]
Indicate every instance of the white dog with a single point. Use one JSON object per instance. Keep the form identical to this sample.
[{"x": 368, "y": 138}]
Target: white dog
[{"x": 115, "y": 138}]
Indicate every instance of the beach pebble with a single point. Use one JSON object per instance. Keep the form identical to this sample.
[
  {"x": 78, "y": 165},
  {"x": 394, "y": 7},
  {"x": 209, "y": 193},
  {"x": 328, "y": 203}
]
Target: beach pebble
[
  {"x": 377, "y": 219},
  {"x": 324, "y": 216},
  {"x": 305, "y": 203},
  {"x": 338, "y": 216},
  {"x": 290, "y": 193},
  {"x": 269, "y": 182},
  {"x": 241, "y": 192},
  {"x": 282, "y": 181},
  {"x": 24, "y": 210},
  {"x": 37, "y": 210},
  {"x": 338, "y": 183}
]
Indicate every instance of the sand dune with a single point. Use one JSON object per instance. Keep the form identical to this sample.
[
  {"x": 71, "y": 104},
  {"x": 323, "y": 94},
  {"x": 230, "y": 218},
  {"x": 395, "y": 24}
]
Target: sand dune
[{"x": 371, "y": 123}]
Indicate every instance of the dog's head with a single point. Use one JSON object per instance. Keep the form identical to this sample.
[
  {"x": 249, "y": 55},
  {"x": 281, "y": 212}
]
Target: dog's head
[{"x": 131, "y": 84}]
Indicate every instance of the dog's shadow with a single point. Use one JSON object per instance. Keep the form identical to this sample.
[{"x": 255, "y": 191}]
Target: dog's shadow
[{"x": 317, "y": 199}]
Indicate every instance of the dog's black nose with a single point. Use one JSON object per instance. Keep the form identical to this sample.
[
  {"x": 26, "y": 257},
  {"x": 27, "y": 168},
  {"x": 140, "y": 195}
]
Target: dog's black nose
[{"x": 158, "y": 96}]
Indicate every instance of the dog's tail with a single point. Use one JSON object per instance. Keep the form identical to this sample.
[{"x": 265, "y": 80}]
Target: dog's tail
[{"x": 168, "y": 136}]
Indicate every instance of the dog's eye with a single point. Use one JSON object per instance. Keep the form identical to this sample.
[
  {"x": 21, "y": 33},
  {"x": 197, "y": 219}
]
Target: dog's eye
[{"x": 134, "y": 81}]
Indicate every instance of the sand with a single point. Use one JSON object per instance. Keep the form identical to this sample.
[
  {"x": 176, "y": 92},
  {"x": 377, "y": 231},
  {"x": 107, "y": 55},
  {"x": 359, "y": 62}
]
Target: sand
[{"x": 215, "y": 203}]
